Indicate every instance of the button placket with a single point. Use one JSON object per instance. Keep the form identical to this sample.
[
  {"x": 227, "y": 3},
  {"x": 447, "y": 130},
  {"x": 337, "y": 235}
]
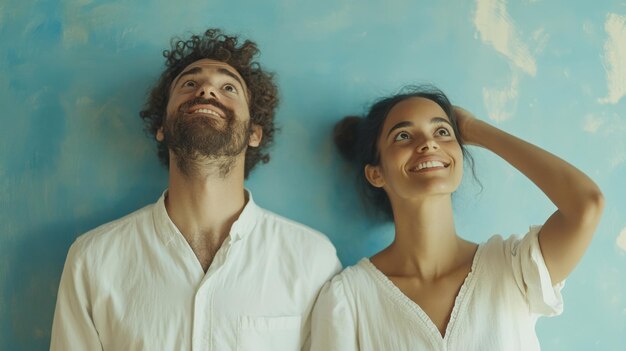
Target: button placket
[{"x": 203, "y": 326}]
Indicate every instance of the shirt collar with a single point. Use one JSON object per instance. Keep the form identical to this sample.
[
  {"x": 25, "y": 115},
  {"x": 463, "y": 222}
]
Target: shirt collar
[
  {"x": 244, "y": 225},
  {"x": 240, "y": 229}
]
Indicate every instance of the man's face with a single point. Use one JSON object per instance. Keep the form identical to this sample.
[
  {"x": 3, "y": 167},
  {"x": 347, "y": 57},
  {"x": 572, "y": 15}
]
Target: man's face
[{"x": 207, "y": 114}]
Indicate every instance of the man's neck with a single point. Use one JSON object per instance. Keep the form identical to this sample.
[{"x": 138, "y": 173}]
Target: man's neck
[{"x": 204, "y": 206}]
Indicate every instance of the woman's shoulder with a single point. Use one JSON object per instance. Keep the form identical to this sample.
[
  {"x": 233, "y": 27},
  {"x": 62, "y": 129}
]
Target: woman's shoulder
[
  {"x": 352, "y": 281},
  {"x": 498, "y": 247},
  {"x": 353, "y": 275}
]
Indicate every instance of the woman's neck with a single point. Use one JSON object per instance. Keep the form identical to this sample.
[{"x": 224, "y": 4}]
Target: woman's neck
[{"x": 426, "y": 244}]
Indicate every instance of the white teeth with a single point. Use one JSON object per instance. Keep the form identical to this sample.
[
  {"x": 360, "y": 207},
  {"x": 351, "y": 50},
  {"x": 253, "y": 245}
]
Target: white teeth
[
  {"x": 205, "y": 110},
  {"x": 429, "y": 164}
]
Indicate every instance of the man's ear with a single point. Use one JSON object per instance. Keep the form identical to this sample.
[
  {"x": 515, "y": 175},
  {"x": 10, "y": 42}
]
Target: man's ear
[
  {"x": 255, "y": 136},
  {"x": 374, "y": 176},
  {"x": 159, "y": 135}
]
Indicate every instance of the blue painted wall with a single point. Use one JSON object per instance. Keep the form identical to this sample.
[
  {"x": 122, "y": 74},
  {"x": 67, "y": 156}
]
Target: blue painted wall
[{"x": 74, "y": 74}]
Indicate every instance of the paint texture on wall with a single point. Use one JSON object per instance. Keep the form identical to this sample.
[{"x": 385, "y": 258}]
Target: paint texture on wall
[{"x": 73, "y": 153}]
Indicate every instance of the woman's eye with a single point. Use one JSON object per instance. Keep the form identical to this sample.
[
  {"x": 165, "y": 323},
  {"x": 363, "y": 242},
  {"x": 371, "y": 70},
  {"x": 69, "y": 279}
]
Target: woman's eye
[
  {"x": 402, "y": 136},
  {"x": 443, "y": 132},
  {"x": 189, "y": 83},
  {"x": 230, "y": 88}
]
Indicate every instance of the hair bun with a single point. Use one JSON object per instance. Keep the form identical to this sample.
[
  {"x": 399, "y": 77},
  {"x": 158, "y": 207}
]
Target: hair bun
[{"x": 345, "y": 136}]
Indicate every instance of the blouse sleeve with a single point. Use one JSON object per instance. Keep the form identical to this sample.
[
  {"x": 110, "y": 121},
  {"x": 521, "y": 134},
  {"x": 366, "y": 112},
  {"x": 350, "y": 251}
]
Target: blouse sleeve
[
  {"x": 532, "y": 276},
  {"x": 333, "y": 324}
]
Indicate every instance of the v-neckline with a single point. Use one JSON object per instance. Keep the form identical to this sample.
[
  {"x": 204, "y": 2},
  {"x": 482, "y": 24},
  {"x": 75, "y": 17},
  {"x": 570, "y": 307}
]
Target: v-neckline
[{"x": 459, "y": 301}]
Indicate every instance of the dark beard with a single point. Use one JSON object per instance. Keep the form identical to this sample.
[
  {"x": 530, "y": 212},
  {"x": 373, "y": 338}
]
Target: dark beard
[{"x": 198, "y": 141}]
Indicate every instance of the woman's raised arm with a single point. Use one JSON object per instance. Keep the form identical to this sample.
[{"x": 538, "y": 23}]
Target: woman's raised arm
[{"x": 568, "y": 231}]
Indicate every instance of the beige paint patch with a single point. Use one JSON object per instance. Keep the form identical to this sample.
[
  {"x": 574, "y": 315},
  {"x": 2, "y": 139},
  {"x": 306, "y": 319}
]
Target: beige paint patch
[
  {"x": 75, "y": 35},
  {"x": 611, "y": 127},
  {"x": 333, "y": 21},
  {"x": 588, "y": 27},
  {"x": 540, "y": 39},
  {"x": 621, "y": 240},
  {"x": 497, "y": 28},
  {"x": 618, "y": 158},
  {"x": 615, "y": 58},
  {"x": 592, "y": 123},
  {"x": 80, "y": 21},
  {"x": 500, "y": 102}
]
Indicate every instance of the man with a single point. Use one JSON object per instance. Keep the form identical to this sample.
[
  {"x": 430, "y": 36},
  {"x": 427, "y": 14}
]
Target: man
[{"x": 204, "y": 268}]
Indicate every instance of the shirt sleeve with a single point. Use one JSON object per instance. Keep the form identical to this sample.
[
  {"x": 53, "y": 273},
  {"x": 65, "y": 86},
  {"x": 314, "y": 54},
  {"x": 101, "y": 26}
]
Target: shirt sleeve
[
  {"x": 73, "y": 327},
  {"x": 333, "y": 324},
  {"x": 332, "y": 266},
  {"x": 532, "y": 276}
]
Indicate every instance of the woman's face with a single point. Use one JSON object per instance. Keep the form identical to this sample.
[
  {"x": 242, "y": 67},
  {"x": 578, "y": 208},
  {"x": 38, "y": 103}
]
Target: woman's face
[{"x": 419, "y": 153}]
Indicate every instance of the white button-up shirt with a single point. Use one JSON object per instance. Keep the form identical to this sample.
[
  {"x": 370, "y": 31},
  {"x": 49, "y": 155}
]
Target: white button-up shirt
[{"x": 135, "y": 284}]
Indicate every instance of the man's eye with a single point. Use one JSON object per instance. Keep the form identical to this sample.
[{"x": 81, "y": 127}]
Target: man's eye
[
  {"x": 230, "y": 88},
  {"x": 189, "y": 83},
  {"x": 402, "y": 136}
]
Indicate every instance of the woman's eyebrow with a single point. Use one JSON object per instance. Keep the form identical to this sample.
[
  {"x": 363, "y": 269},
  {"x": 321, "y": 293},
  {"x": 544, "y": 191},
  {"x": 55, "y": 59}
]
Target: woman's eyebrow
[
  {"x": 434, "y": 120},
  {"x": 400, "y": 125}
]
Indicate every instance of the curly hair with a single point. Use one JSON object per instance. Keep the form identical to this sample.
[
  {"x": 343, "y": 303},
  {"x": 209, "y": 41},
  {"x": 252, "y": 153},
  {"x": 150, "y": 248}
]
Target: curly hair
[{"x": 216, "y": 45}]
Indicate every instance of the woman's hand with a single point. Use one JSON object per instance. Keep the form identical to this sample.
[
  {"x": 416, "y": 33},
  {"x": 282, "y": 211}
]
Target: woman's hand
[{"x": 466, "y": 122}]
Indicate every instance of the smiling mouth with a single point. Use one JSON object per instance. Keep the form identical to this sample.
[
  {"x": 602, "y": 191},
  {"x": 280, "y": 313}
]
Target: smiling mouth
[
  {"x": 429, "y": 165},
  {"x": 205, "y": 111}
]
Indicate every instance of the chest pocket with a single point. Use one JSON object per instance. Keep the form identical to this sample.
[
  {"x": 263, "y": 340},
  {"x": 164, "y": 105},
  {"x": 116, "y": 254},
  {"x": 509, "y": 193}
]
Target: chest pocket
[{"x": 269, "y": 333}]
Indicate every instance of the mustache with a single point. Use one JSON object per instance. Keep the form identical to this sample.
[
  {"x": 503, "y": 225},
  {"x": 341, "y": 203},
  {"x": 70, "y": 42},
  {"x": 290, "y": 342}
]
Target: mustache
[{"x": 202, "y": 101}]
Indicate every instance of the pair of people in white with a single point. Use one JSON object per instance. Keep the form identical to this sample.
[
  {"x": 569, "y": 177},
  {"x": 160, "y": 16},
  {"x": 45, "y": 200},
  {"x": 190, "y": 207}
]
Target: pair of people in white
[{"x": 206, "y": 269}]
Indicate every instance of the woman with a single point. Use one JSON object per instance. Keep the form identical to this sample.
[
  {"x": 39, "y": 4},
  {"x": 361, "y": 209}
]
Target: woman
[{"x": 431, "y": 289}]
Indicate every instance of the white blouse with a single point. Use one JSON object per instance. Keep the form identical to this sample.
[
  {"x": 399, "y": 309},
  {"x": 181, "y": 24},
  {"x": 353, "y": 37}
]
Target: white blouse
[{"x": 497, "y": 307}]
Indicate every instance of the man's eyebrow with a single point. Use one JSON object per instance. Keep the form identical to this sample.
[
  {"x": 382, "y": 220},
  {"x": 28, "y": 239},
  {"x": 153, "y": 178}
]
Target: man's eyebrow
[
  {"x": 434, "y": 120},
  {"x": 231, "y": 74},
  {"x": 194, "y": 70},
  {"x": 222, "y": 70}
]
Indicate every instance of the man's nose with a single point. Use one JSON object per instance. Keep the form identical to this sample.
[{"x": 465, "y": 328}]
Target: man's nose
[{"x": 207, "y": 91}]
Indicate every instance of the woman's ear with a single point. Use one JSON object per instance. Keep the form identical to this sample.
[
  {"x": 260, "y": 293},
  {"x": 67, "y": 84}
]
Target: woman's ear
[{"x": 374, "y": 176}]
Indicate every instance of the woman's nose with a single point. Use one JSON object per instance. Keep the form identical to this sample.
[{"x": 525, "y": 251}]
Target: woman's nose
[{"x": 427, "y": 145}]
